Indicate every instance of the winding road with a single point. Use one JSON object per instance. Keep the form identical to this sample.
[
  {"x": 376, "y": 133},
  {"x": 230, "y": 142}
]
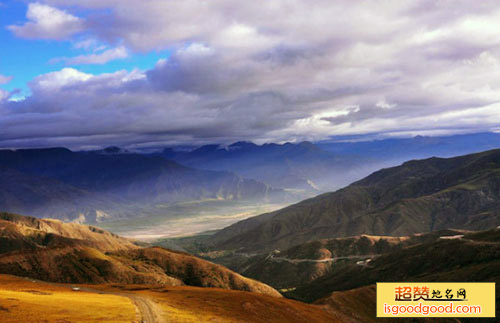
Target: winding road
[{"x": 296, "y": 261}]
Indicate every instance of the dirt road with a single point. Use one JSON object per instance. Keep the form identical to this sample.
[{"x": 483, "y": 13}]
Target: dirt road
[{"x": 147, "y": 309}]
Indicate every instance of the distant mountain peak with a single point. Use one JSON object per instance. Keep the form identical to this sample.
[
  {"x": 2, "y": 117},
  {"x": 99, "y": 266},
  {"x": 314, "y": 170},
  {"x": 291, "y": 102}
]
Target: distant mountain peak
[
  {"x": 110, "y": 150},
  {"x": 207, "y": 148},
  {"x": 242, "y": 145},
  {"x": 307, "y": 144},
  {"x": 113, "y": 150},
  {"x": 56, "y": 151}
]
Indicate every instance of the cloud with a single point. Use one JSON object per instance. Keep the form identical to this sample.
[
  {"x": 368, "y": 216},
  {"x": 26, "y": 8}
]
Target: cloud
[
  {"x": 274, "y": 71},
  {"x": 4, "y": 95},
  {"x": 46, "y": 22},
  {"x": 89, "y": 44},
  {"x": 5, "y": 79},
  {"x": 59, "y": 80},
  {"x": 97, "y": 58}
]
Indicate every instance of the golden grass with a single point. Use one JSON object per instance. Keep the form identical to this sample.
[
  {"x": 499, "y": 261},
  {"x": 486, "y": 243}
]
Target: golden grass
[
  {"x": 25, "y": 301},
  {"x": 94, "y": 253},
  {"x": 194, "y": 304}
]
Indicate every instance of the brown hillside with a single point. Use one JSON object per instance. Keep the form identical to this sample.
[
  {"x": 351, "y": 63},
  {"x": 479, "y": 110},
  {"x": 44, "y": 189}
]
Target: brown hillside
[
  {"x": 473, "y": 257},
  {"x": 53, "y": 251},
  {"x": 19, "y": 232}
]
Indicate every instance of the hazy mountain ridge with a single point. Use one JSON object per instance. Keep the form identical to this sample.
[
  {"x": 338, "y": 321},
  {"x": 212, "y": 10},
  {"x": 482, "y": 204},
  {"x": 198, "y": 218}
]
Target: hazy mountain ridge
[
  {"x": 71, "y": 185},
  {"x": 418, "y": 196},
  {"x": 417, "y": 147},
  {"x": 301, "y": 166},
  {"x": 325, "y": 166},
  {"x": 31, "y": 194}
]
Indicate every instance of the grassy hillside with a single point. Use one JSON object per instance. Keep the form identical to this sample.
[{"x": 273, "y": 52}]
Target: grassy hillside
[
  {"x": 21, "y": 233},
  {"x": 24, "y": 300},
  {"x": 50, "y": 250}
]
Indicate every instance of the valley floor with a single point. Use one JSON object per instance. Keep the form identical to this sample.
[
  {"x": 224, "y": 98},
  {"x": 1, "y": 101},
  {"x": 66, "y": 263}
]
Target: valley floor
[{"x": 187, "y": 218}]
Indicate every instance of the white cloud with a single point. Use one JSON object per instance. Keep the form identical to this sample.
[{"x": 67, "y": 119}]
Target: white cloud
[
  {"x": 86, "y": 44},
  {"x": 195, "y": 49},
  {"x": 57, "y": 80},
  {"x": 383, "y": 104},
  {"x": 3, "y": 95},
  {"x": 98, "y": 58},
  {"x": 46, "y": 22},
  {"x": 5, "y": 79}
]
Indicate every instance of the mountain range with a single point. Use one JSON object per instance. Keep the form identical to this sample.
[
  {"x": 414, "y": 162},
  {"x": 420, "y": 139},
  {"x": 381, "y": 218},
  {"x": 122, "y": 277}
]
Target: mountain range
[
  {"x": 417, "y": 196},
  {"x": 302, "y": 166},
  {"x": 93, "y": 186},
  {"x": 418, "y": 147},
  {"x": 117, "y": 184},
  {"x": 326, "y": 165}
]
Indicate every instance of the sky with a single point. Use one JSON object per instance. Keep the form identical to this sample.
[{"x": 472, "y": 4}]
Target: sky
[{"x": 152, "y": 73}]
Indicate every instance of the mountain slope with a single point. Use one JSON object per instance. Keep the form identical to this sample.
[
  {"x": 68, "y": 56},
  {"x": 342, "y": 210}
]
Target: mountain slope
[
  {"x": 418, "y": 196},
  {"x": 71, "y": 253},
  {"x": 100, "y": 186}
]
